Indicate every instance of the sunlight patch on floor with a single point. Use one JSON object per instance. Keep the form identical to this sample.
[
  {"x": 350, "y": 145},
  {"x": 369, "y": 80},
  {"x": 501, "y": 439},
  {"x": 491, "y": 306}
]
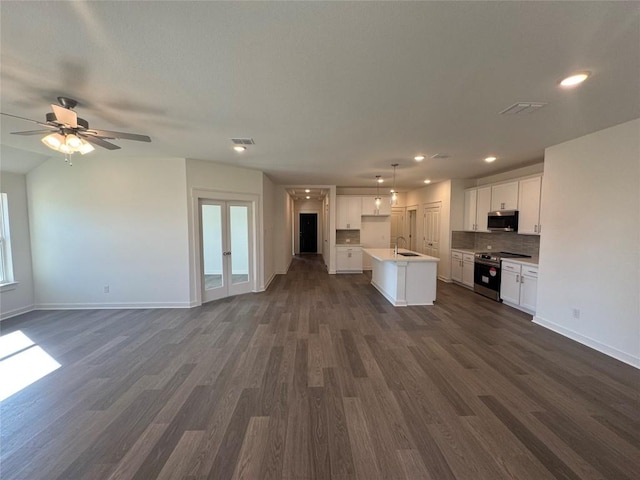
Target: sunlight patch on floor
[{"x": 22, "y": 363}]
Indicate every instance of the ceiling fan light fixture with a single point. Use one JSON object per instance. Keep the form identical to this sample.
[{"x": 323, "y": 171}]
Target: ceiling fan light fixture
[
  {"x": 53, "y": 141},
  {"x": 66, "y": 149},
  {"x": 73, "y": 141},
  {"x": 86, "y": 147}
]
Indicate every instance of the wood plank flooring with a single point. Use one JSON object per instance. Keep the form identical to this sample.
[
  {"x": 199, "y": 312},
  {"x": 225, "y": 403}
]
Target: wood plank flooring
[{"x": 318, "y": 378}]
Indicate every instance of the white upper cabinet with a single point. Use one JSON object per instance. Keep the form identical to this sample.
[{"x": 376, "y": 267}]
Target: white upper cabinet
[
  {"x": 470, "y": 204},
  {"x": 348, "y": 212},
  {"x": 504, "y": 196},
  {"x": 369, "y": 207},
  {"x": 483, "y": 207},
  {"x": 529, "y": 206},
  {"x": 477, "y": 203}
]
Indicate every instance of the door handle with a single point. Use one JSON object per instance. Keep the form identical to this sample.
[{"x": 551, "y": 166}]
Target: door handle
[{"x": 226, "y": 253}]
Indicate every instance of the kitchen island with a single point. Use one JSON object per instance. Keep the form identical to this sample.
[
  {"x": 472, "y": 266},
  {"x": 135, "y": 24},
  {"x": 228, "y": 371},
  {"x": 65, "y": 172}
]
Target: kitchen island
[{"x": 405, "y": 278}]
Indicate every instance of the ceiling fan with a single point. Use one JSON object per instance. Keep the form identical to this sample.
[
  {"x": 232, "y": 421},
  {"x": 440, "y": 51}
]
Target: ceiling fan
[{"x": 67, "y": 133}]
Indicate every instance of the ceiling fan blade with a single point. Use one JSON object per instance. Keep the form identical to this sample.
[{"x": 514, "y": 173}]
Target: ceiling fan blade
[
  {"x": 98, "y": 141},
  {"x": 29, "y": 120},
  {"x": 120, "y": 135},
  {"x": 65, "y": 116},
  {"x": 33, "y": 132}
]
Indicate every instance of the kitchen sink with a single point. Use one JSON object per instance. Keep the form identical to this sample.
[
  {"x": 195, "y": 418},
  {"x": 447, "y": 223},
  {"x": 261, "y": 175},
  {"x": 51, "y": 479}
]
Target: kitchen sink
[{"x": 409, "y": 254}]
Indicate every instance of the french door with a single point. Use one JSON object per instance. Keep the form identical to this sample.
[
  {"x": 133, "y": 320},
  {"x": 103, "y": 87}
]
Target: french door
[{"x": 225, "y": 239}]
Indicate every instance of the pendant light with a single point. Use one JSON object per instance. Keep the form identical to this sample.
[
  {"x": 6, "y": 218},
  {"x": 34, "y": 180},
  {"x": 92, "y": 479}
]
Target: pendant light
[
  {"x": 394, "y": 194},
  {"x": 378, "y": 199}
]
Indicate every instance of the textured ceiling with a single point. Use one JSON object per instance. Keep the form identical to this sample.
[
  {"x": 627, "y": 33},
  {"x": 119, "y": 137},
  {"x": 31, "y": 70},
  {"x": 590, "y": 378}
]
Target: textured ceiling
[{"x": 332, "y": 93}]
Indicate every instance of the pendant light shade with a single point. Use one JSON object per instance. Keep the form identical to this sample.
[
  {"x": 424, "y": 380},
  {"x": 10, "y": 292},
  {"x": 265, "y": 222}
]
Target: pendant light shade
[
  {"x": 378, "y": 200},
  {"x": 394, "y": 193}
]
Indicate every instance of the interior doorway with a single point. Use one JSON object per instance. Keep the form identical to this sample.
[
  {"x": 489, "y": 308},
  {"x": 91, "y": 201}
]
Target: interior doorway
[
  {"x": 308, "y": 232},
  {"x": 225, "y": 239}
]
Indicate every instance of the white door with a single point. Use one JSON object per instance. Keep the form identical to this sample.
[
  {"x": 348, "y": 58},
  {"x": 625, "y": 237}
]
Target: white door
[
  {"x": 413, "y": 246},
  {"x": 397, "y": 227},
  {"x": 226, "y": 248},
  {"x": 431, "y": 229}
]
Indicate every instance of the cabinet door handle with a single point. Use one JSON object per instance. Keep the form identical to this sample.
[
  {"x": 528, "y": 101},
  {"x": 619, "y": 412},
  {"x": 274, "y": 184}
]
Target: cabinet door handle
[
  {"x": 517, "y": 278},
  {"x": 348, "y": 225},
  {"x": 521, "y": 279},
  {"x": 535, "y": 228},
  {"x": 539, "y": 228}
]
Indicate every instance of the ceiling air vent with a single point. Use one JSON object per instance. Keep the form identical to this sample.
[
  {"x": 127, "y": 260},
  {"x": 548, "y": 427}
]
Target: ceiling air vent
[
  {"x": 440, "y": 155},
  {"x": 243, "y": 141},
  {"x": 521, "y": 108}
]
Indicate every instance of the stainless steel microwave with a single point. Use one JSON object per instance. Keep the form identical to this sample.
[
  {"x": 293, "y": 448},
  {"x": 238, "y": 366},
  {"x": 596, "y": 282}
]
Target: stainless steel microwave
[{"x": 503, "y": 221}]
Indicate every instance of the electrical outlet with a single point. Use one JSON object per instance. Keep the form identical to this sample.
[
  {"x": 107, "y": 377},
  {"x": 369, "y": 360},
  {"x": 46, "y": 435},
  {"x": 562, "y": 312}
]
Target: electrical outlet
[
  {"x": 106, "y": 289},
  {"x": 489, "y": 247},
  {"x": 575, "y": 312}
]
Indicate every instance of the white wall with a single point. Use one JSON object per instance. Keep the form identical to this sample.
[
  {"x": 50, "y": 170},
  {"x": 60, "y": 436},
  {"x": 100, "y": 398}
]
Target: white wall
[
  {"x": 511, "y": 174},
  {"x": 269, "y": 218},
  {"x": 283, "y": 233},
  {"x": 590, "y": 248},
  {"x": 111, "y": 221},
  {"x": 20, "y": 299}
]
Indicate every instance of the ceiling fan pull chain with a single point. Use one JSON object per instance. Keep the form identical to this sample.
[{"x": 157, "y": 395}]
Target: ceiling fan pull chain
[{"x": 67, "y": 158}]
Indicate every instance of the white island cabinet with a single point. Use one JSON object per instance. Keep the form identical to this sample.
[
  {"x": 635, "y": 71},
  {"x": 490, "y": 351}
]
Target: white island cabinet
[{"x": 404, "y": 280}]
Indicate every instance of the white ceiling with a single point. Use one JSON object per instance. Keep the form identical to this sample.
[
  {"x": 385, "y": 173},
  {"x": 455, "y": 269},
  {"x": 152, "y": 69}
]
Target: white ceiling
[{"x": 332, "y": 93}]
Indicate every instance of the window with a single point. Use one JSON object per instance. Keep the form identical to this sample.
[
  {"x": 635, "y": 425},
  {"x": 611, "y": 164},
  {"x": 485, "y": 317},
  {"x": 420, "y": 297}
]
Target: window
[{"x": 6, "y": 265}]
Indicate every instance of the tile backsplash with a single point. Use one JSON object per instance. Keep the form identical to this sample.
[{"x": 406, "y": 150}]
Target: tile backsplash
[
  {"x": 499, "y": 241},
  {"x": 352, "y": 235}
]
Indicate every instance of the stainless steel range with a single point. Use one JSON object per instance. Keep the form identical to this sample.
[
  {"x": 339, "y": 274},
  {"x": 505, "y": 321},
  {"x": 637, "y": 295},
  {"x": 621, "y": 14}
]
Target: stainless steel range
[{"x": 486, "y": 272}]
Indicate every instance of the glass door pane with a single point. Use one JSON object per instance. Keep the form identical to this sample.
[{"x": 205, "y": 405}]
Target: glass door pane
[
  {"x": 239, "y": 241},
  {"x": 212, "y": 247}
]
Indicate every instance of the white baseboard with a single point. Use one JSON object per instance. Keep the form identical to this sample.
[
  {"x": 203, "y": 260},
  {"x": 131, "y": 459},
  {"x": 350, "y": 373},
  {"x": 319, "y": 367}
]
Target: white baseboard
[
  {"x": 16, "y": 311},
  {"x": 268, "y": 282},
  {"x": 107, "y": 306},
  {"x": 589, "y": 342}
]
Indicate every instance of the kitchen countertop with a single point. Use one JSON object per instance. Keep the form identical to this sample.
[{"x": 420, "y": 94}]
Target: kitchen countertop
[
  {"x": 465, "y": 250},
  {"x": 348, "y": 244},
  {"x": 388, "y": 255},
  {"x": 522, "y": 261}
]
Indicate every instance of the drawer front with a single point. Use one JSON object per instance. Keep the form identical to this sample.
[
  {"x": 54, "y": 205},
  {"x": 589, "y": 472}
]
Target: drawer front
[
  {"x": 468, "y": 257},
  {"x": 530, "y": 271},
  {"x": 456, "y": 255},
  {"x": 511, "y": 267}
]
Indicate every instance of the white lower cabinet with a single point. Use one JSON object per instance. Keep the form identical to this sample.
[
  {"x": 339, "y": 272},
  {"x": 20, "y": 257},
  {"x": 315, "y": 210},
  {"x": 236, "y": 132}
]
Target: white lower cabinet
[
  {"x": 462, "y": 268},
  {"x": 349, "y": 259},
  {"x": 519, "y": 286}
]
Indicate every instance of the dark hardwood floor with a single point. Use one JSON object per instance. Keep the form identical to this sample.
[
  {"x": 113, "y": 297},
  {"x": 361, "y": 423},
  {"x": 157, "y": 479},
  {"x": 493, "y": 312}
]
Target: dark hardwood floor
[{"x": 319, "y": 377}]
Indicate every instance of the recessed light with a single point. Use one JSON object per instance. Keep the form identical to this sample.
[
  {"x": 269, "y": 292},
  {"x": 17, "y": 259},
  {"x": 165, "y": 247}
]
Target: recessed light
[
  {"x": 574, "y": 80},
  {"x": 418, "y": 158},
  {"x": 308, "y": 197},
  {"x": 306, "y": 190},
  {"x": 427, "y": 181},
  {"x": 239, "y": 148},
  {"x": 490, "y": 159},
  {"x": 380, "y": 180}
]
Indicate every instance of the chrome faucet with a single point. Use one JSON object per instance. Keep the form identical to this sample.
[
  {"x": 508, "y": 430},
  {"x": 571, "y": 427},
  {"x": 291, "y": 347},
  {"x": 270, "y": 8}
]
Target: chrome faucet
[{"x": 395, "y": 249}]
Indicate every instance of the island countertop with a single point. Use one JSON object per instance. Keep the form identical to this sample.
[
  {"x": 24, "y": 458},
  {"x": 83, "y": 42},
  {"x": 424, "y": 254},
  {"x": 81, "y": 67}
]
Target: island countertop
[{"x": 388, "y": 255}]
